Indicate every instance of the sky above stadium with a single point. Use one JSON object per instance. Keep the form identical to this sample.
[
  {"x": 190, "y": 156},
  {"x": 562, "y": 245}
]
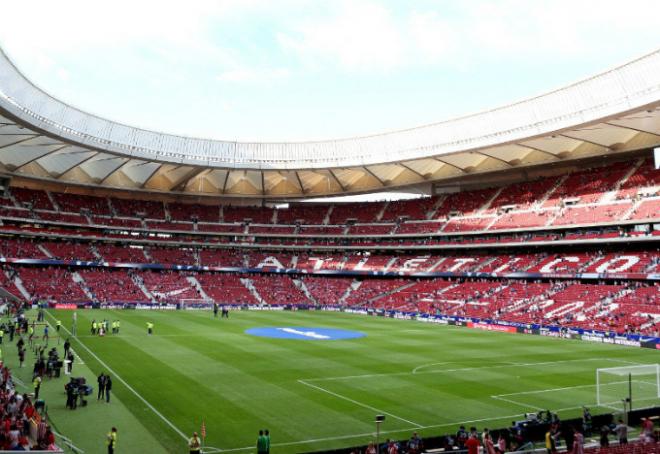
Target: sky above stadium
[{"x": 301, "y": 70}]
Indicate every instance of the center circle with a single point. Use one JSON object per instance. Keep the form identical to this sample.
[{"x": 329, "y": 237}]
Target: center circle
[{"x": 303, "y": 333}]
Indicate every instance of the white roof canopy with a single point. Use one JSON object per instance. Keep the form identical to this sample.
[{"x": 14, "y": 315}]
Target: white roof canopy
[{"x": 610, "y": 113}]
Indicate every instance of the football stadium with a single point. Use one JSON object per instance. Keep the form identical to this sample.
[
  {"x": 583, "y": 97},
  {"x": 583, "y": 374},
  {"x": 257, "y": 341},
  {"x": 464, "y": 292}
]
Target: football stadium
[{"x": 164, "y": 293}]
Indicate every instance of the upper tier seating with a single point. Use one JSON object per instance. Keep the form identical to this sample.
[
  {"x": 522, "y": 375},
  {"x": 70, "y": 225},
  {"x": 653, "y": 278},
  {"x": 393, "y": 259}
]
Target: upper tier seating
[
  {"x": 589, "y": 185},
  {"x": 73, "y": 203},
  {"x": 256, "y": 215},
  {"x": 138, "y": 208},
  {"x": 360, "y": 212},
  {"x": 16, "y": 248},
  {"x": 126, "y": 254},
  {"x": 408, "y": 209},
  {"x": 303, "y": 214},
  {"x": 589, "y": 196},
  {"x": 188, "y": 212},
  {"x": 36, "y": 199},
  {"x": 645, "y": 179},
  {"x": 69, "y": 251},
  {"x": 465, "y": 203}
]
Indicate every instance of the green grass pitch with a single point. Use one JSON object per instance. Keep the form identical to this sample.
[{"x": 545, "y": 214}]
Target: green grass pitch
[{"x": 314, "y": 395}]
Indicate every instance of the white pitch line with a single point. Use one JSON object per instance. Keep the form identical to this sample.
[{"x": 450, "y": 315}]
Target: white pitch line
[
  {"x": 520, "y": 404},
  {"x": 348, "y": 399},
  {"x": 463, "y": 369},
  {"x": 414, "y": 371},
  {"x": 129, "y": 387},
  {"x": 371, "y": 434},
  {"x": 549, "y": 390}
]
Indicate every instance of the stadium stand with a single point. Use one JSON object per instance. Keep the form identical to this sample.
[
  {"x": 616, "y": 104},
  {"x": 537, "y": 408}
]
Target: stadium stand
[{"x": 576, "y": 209}]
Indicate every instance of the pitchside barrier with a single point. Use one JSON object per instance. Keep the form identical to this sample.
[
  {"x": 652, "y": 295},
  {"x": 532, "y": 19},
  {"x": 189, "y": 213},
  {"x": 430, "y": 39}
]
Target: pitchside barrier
[
  {"x": 533, "y": 435},
  {"x": 597, "y": 336}
]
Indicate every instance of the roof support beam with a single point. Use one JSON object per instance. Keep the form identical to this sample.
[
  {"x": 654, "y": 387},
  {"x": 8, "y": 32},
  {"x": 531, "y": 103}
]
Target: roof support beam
[
  {"x": 43, "y": 155},
  {"x": 20, "y": 141},
  {"x": 493, "y": 157},
  {"x": 412, "y": 170},
  {"x": 116, "y": 169},
  {"x": 193, "y": 173},
  {"x": 153, "y": 172},
  {"x": 529, "y": 147},
  {"x": 263, "y": 183},
  {"x": 450, "y": 165},
  {"x": 81, "y": 162},
  {"x": 224, "y": 185},
  {"x": 302, "y": 188},
  {"x": 337, "y": 180},
  {"x": 382, "y": 183},
  {"x": 584, "y": 140},
  {"x": 632, "y": 129}
]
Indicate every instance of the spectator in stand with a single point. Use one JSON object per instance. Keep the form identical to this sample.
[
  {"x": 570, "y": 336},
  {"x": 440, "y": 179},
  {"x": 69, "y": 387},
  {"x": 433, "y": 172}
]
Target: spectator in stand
[
  {"x": 392, "y": 447},
  {"x": 647, "y": 430},
  {"x": 621, "y": 431},
  {"x": 472, "y": 444},
  {"x": 501, "y": 444},
  {"x": 604, "y": 436},
  {"x": 461, "y": 437},
  {"x": 371, "y": 448},
  {"x": 488, "y": 442},
  {"x": 578, "y": 442},
  {"x": 414, "y": 444},
  {"x": 550, "y": 444}
]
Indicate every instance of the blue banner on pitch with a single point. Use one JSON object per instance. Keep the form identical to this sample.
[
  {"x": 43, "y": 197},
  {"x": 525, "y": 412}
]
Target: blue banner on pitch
[{"x": 304, "y": 333}]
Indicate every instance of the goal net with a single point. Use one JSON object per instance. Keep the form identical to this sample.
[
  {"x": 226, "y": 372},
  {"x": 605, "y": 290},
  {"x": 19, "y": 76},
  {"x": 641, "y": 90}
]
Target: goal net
[
  {"x": 639, "y": 383},
  {"x": 196, "y": 303}
]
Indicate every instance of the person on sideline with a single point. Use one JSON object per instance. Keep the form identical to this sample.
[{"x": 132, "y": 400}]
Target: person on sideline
[
  {"x": 101, "y": 380},
  {"x": 108, "y": 387},
  {"x": 111, "y": 440},
  {"x": 37, "y": 386},
  {"x": 262, "y": 443},
  {"x": 195, "y": 444}
]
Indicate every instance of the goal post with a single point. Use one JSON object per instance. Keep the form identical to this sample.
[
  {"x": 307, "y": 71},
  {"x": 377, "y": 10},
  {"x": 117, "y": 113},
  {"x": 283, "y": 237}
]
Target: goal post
[{"x": 628, "y": 383}]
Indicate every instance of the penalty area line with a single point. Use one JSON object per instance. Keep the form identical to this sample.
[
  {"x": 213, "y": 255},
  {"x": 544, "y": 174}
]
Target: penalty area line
[
  {"x": 129, "y": 387},
  {"x": 353, "y": 401}
]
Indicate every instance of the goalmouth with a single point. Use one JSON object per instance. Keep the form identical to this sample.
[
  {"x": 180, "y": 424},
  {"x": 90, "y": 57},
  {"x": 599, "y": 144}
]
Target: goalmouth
[{"x": 631, "y": 384}]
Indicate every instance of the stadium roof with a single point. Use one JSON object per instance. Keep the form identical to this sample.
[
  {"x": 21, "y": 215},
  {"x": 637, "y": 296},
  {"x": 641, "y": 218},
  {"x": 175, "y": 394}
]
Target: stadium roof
[{"x": 44, "y": 138}]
